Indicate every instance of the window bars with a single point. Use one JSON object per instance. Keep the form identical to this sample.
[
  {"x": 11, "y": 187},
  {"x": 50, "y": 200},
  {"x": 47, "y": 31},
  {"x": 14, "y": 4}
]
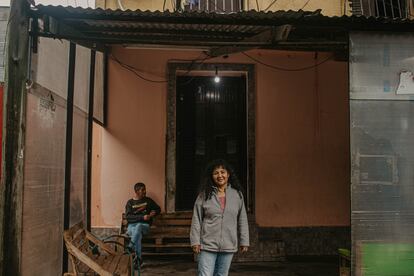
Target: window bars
[
  {"x": 381, "y": 8},
  {"x": 218, "y": 6}
]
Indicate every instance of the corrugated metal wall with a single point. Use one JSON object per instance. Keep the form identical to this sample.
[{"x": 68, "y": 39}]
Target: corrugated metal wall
[{"x": 382, "y": 153}]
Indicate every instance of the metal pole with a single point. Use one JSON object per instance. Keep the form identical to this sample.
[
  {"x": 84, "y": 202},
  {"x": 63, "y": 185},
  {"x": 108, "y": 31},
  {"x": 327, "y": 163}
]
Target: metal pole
[
  {"x": 392, "y": 9},
  {"x": 362, "y": 6},
  {"x": 399, "y": 9},
  {"x": 68, "y": 155},
  {"x": 90, "y": 133},
  {"x": 369, "y": 7}
]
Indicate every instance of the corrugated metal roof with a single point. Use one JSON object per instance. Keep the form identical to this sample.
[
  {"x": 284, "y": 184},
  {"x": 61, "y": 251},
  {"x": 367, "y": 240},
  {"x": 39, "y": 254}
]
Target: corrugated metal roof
[{"x": 205, "y": 28}]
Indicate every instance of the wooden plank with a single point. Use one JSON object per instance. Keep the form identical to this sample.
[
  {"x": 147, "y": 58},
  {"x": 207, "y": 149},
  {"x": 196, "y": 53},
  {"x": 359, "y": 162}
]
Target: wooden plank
[
  {"x": 167, "y": 253},
  {"x": 101, "y": 259},
  {"x": 114, "y": 264},
  {"x": 175, "y": 215},
  {"x": 172, "y": 222},
  {"x": 72, "y": 231},
  {"x": 158, "y": 241},
  {"x": 168, "y": 232},
  {"x": 101, "y": 244},
  {"x": 108, "y": 262},
  {"x": 86, "y": 260},
  {"x": 169, "y": 245},
  {"x": 124, "y": 266}
]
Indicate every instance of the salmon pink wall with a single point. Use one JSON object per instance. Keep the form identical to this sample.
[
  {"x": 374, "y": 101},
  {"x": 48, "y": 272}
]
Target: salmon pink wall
[
  {"x": 302, "y": 139},
  {"x": 302, "y": 146}
]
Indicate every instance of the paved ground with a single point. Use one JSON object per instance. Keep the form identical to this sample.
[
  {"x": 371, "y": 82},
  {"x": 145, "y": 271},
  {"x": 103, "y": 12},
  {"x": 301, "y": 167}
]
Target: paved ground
[{"x": 288, "y": 268}]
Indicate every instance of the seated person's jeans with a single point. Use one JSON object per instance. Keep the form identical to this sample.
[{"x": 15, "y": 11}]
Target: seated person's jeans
[{"x": 136, "y": 231}]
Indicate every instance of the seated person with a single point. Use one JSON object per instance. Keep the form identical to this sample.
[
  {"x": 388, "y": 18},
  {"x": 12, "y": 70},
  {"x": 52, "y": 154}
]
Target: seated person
[{"x": 139, "y": 212}]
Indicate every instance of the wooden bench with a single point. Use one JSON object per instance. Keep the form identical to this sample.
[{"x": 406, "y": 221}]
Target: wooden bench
[
  {"x": 169, "y": 235},
  {"x": 91, "y": 256}
]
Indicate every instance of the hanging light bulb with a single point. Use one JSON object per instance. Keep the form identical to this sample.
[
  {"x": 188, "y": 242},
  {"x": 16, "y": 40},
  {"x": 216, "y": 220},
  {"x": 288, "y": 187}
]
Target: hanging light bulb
[{"x": 216, "y": 78}]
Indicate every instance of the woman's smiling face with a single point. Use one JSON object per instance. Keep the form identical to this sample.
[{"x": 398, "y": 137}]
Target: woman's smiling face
[{"x": 220, "y": 176}]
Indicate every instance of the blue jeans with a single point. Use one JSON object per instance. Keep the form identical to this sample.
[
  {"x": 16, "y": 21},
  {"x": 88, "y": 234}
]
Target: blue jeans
[
  {"x": 136, "y": 231},
  {"x": 214, "y": 263}
]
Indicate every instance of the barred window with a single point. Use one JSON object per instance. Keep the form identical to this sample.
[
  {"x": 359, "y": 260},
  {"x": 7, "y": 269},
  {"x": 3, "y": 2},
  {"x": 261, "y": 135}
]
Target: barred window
[
  {"x": 381, "y": 8},
  {"x": 219, "y": 6}
]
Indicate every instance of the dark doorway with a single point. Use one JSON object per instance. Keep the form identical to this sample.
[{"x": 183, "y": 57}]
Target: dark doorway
[{"x": 211, "y": 124}]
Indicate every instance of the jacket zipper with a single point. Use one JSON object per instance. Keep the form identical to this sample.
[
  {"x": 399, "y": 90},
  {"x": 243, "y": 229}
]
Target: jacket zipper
[{"x": 222, "y": 219}]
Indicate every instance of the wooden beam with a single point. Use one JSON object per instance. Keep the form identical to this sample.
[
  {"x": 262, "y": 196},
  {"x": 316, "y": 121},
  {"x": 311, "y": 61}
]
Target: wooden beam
[{"x": 11, "y": 195}]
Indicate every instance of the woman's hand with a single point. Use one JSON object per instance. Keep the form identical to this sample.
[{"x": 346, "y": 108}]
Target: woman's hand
[
  {"x": 244, "y": 249},
  {"x": 196, "y": 248}
]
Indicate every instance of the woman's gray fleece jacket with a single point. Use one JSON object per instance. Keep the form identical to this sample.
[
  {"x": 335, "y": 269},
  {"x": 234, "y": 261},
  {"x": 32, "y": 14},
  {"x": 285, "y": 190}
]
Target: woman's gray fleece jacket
[{"x": 216, "y": 230}]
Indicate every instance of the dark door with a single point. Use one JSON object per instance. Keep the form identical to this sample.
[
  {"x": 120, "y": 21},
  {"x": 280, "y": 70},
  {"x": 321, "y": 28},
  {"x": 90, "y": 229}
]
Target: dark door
[{"x": 211, "y": 124}]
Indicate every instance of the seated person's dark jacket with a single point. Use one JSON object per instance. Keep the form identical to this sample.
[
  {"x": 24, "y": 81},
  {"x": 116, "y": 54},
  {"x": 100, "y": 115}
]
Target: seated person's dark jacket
[{"x": 135, "y": 210}]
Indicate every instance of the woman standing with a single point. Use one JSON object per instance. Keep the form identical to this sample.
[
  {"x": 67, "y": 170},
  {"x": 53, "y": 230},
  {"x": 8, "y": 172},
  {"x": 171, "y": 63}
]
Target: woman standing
[{"x": 219, "y": 225}]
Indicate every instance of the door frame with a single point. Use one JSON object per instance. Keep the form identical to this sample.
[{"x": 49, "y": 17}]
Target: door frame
[{"x": 208, "y": 69}]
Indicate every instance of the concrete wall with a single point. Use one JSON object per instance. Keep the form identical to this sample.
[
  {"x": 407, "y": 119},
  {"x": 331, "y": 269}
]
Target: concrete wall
[
  {"x": 302, "y": 137},
  {"x": 330, "y": 8}
]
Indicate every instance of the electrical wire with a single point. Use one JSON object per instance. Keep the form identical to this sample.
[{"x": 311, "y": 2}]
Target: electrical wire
[
  {"x": 119, "y": 3},
  {"x": 270, "y": 5},
  {"x": 307, "y": 2},
  {"x": 257, "y": 4},
  {"x": 134, "y": 71},
  {"x": 191, "y": 66},
  {"x": 288, "y": 69}
]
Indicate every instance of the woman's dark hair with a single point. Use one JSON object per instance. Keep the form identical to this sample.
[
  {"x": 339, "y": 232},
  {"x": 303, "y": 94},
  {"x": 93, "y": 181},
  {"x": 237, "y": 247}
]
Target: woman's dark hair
[{"x": 207, "y": 184}]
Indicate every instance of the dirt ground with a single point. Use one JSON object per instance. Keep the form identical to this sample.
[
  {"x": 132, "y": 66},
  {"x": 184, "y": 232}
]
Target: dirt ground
[{"x": 285, "y": 268}]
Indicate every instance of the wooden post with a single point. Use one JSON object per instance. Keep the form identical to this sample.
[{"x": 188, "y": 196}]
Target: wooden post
[{"x": 11, "y": 188}]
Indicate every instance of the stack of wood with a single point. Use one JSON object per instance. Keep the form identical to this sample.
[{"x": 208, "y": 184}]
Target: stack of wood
[{"x": 169, "y": 236}]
